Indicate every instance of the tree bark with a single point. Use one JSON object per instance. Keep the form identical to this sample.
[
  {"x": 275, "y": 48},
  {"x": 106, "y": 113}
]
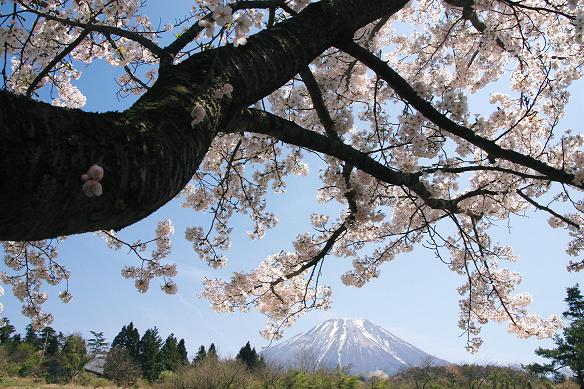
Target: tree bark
[{"x": 149, "y": 152}]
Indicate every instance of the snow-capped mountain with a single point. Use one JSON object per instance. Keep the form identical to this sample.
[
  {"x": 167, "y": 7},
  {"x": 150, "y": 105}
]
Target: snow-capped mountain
[{"x": 354, "y": 344}]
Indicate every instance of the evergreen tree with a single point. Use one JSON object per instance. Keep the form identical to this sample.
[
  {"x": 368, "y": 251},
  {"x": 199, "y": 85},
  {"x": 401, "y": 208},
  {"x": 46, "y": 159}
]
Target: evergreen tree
[
  {"x": 575, "y": 303},
  {"x": 249, "y": 357},
  {"x": 31, "y": 337},
  {"x": 169, "y": 355},
  {"x": 56, "y": 364},
  {"x": 97, "y": 343},
  {"x": 150, "y": 354},
  {"x": 129, "y": 339},
  {"x": 182, "y": 351},
  {"x": 119, "y": 339},
  {"x": 201, "y": 355},
  {"x": 49, "y": 341},
  {"x": 16, "y": 339},
  {"x": 61, "y": 339},
  {"x": 52, "y": 346},
  {"x": 569, "y": 351},
  {"x": 212, "y": 353},
  {"x": 73, "y": 355},
  {"x": 6, "y": 331}
]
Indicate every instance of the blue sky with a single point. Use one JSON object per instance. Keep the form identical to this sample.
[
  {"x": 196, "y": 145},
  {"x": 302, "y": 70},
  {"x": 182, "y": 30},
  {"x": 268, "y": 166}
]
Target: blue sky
[{"x": 415, "y": 297}]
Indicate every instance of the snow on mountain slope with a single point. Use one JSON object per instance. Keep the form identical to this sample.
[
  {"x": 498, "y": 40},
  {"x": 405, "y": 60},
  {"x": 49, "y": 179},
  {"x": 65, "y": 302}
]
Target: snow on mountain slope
[{"x": 354, "y": 344}]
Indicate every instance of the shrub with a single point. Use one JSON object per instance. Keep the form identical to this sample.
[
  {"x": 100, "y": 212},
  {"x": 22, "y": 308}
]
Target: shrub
[
  {"x": 89, "y": 379},
  {"x": 121, "y": 368},
  {"x": 210, "y": 374}
]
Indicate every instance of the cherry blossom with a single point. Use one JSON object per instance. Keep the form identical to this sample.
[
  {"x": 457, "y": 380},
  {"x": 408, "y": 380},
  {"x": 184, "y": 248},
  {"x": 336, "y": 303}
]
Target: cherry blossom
[
  {"x": 222, "y": 15},
  {"x": 92, "y": 186},
  {"x": 151, "y": 267},
  {"x": 224, "y": 90},
  {"x": 197, "y": 114}
]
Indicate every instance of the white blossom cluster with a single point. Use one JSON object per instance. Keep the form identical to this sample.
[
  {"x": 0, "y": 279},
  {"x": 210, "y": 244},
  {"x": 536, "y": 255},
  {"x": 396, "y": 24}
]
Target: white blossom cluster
[
  {"x": 31, "y": 47},
  {"x": 478, "y": 307},
  {"x": 235, "y": 177},
  {"x": 150, "y": 267},
  {"x": 232, "y": 29},
  {"x": 29, "y": 265},
  {"x": 270, "y": 286}
]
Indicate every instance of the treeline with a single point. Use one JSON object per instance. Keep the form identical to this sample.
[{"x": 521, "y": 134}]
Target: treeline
[
  {"x": 52, "y": 357},
  {"x": 45, "y": 354},
  {"x": 132, "y": 357}
]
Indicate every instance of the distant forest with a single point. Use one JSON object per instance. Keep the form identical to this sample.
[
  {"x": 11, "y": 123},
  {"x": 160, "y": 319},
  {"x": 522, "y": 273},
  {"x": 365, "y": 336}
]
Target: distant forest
[{"x": 50, "y": 355}]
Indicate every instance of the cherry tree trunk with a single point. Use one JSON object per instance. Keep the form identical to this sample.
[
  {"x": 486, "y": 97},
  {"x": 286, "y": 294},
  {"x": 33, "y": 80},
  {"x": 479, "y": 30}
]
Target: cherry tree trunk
[{"x": 149, "y": 152}]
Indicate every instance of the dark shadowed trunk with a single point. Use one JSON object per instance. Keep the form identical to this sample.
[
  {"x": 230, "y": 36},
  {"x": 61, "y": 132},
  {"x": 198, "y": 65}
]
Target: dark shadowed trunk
[{"x": 149, "y": 152}]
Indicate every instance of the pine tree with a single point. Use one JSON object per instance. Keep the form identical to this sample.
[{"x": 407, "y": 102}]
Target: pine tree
[
  {"x": 61, "y": 339},
  {"x": 201, "y": 355},
  {"x": 133, "y": 341},
  {"x": 6, "y": 331},
  {"x": 52, "y": 346},
  {"x": 575, "y": 303},
  {"x": 16, "y": 339},
  {"x": 249, "y": 357},
  {"x": 182, "y": 351},
  {"x": 49, "y": 341},
  {"x": 97, "y": 344},
  {"x": 129, "y": 339},
  {"x": 31, "y": 337},
  {"x": 120, "y": 338},
  {"x": 569, "y": 351},
  {"x": 212, "y": 353},
  {"x": 169, "y": 354},
  {"x": 150, "y": 354}
]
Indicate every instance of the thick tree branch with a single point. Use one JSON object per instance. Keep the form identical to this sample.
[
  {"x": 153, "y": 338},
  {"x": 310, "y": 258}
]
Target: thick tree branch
[
  {"x": 251, "y": 120},
  {"x": 147, "y": 160},
  {"x": 149, "y": 152},
  {"x": 274, "y": 56}
]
